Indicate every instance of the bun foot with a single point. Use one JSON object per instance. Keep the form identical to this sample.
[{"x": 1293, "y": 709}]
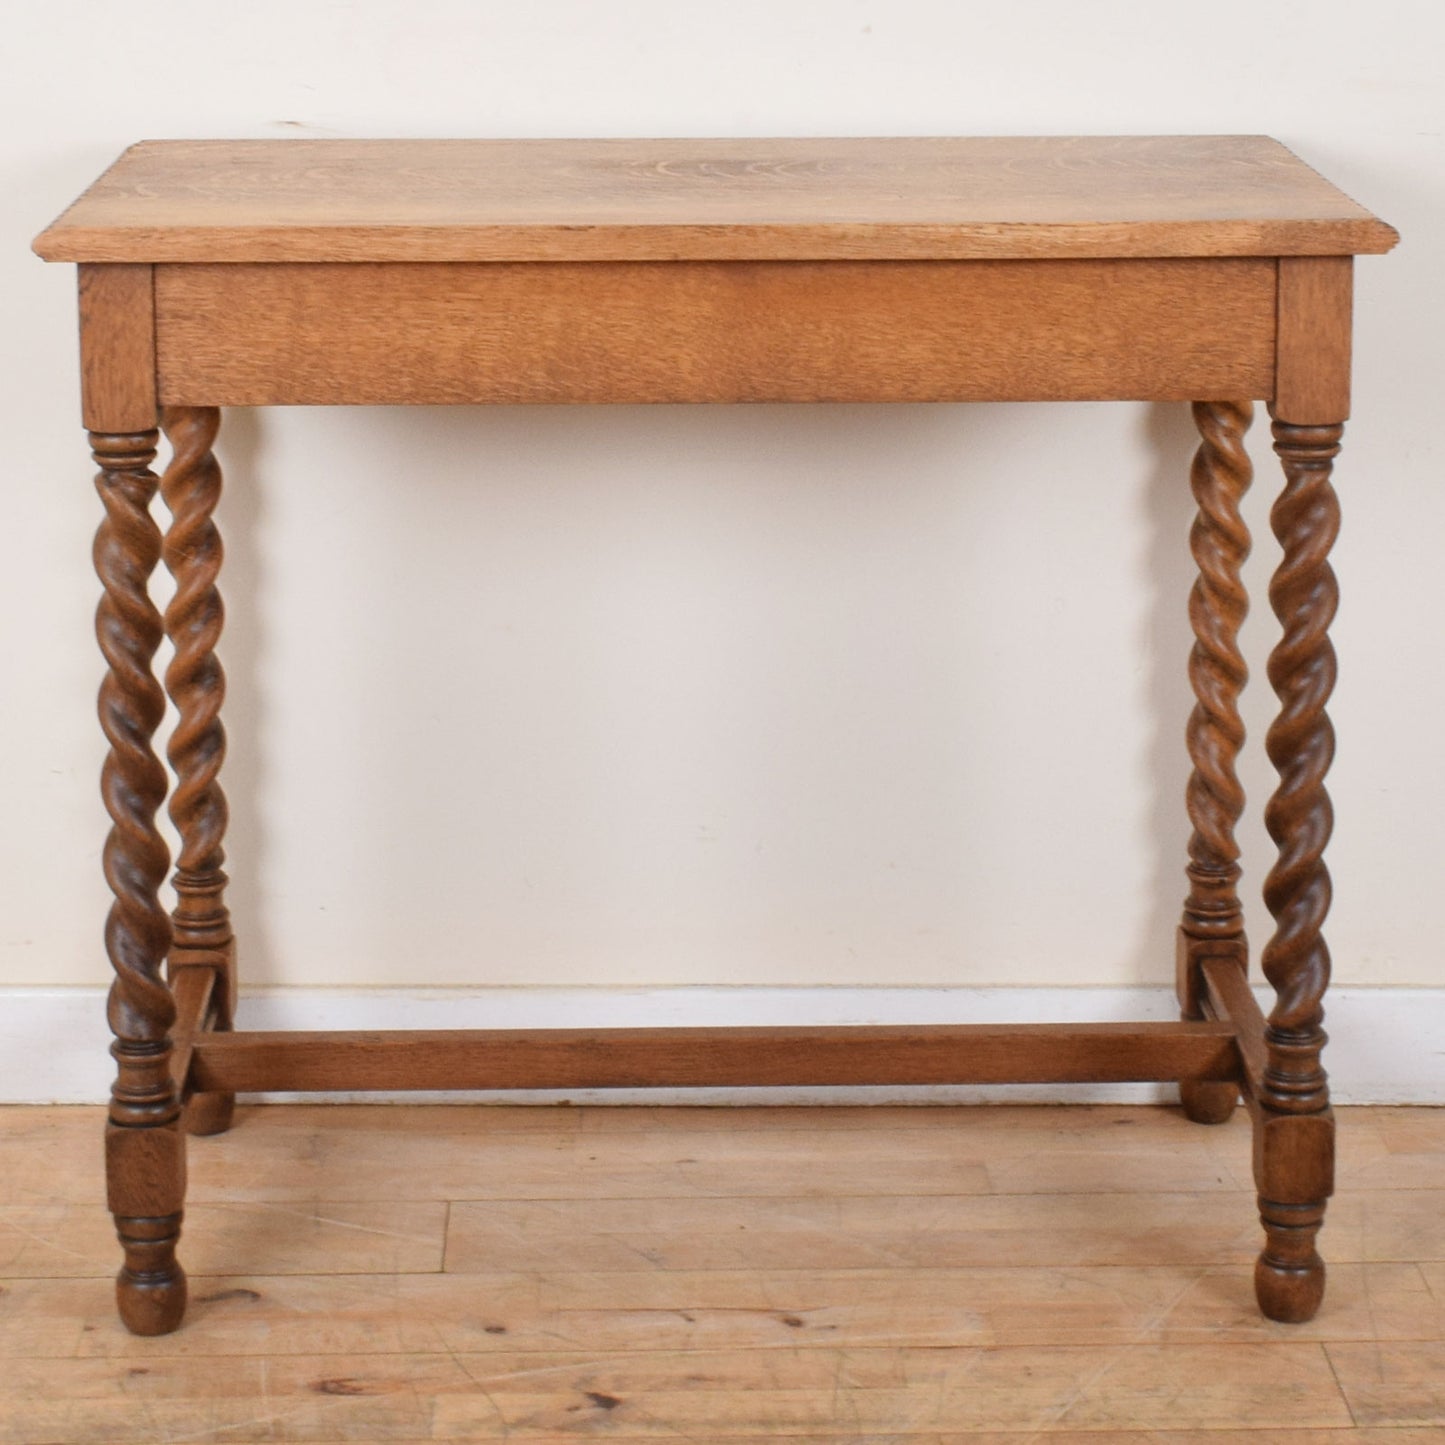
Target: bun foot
[
  {"x": 1289, "y": 1293},
  {"x": 209, "y": 1114},
  {"x": 1208, "y": 1101},
  {"x": 151, "y": 1304}
]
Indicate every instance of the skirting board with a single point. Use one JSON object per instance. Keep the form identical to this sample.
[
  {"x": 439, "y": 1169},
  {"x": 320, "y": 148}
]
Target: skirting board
[{"x": 1387, "y": 1046}]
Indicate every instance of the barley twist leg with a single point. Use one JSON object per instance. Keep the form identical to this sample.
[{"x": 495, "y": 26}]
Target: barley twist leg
[
  {"x": 1213, "y": 921},
  {"x": 201, "y": 924},
  {"x": 145, "y": 1150},
  {"x": 1294, "y": 1133}
]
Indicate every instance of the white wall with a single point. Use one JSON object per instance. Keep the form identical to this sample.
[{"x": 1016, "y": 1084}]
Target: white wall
[{"x": 772, "y": 695}]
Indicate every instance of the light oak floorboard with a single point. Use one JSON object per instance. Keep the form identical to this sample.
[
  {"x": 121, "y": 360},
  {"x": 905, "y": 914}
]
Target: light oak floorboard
[
  {"x": 242, "y": 1315},
  {"x": 917, "y": 1232},
  {"x": 927, "y": 1276},
  {"x": 52, "y": 1155},
  {"x": 1393, "y": 1383},
  {"x": 1333, "y": 1436},
  {"x": 672, "y": 1395},
  {"x": 77, "y": 1240}
]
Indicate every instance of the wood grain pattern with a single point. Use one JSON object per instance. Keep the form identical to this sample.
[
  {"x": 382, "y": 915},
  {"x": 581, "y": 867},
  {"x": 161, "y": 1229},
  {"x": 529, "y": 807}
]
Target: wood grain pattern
[
  {"x": 1056, "y": 1230},
  {"x": 855, "y": 1232},
  {"x": 352, "y": 1333},
  {"x": 117, "y": 348},
  {"x": 670, "y": 200},
  {"x": 767, "y": 1394},
  {"x": 521, "y": 1225},
  {"x": 512, "y": 1312},
  {"x": 358, "y": 1153},
  {"x": 716, "y": 1057},
  {"x": 443, "y": 1155},
  {"x": 715, "y": 332},
  {"x": 361, "y": 1152},
  {"x": 297, "y": 1237},
  {"x": 1130, "y": 1227},
  {"x": 651, "y": 1309},
  {"x": 1312, "y": 387},
  {"x": 1397, "y": 1384}
]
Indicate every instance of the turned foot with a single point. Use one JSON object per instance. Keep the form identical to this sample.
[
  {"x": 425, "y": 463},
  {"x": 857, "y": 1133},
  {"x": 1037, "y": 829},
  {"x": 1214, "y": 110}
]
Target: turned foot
[
  {"x": 150, "y": 1290},
  {"x": 1289, "y": 1277},
  {"x": 1207, "y": 1101},
  {"x": 208, "y": 1114}
]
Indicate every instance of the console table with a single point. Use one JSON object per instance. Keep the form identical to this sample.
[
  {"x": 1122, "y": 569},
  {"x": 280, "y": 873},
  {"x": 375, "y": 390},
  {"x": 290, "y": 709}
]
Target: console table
[{"x": 262, "y": 273}]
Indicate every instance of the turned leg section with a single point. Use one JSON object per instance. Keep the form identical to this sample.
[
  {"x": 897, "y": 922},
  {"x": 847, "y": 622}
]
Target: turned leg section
[
  {"x": 1294, "y": 1129},
  {"x": 1294, "y": 1170},
  {"x": 145, "y": 1150},
  {"x": 201, "y": 923},
  {"x": 1213, "y": 921}
]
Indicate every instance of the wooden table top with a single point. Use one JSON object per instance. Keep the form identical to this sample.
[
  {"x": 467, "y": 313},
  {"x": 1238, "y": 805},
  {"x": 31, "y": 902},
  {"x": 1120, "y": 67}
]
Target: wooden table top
[{"x": 632, "y": 200}]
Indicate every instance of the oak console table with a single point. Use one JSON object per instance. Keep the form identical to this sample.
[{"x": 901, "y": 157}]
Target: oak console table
[{"x": 1199, "y": 269}]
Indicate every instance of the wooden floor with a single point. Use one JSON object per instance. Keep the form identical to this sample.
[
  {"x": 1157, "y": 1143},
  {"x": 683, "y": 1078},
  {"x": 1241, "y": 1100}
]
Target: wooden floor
[{"x": 922, "y": 1276}]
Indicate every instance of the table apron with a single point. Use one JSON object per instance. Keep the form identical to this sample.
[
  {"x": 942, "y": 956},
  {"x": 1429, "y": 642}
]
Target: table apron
[{"x": 715, "y": 331}]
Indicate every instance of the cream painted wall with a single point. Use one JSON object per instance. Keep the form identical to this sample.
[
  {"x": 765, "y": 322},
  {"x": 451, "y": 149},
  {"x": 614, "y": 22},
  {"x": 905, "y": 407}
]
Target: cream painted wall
[{"x": 768, "y": 695}]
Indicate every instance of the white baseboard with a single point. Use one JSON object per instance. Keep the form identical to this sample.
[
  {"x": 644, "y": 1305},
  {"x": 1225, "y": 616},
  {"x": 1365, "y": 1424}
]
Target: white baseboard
[{"x": 1387, "y": 1046}]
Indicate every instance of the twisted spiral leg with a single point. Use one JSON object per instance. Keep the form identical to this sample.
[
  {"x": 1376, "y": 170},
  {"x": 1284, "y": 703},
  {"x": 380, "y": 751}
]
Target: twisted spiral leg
[
  {"x": 1294, "y": 1137},
  {"x": 1213, "y": 922},
  {"x": 145, "y": 1158},
  {"x": 201, "y": 924}
]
